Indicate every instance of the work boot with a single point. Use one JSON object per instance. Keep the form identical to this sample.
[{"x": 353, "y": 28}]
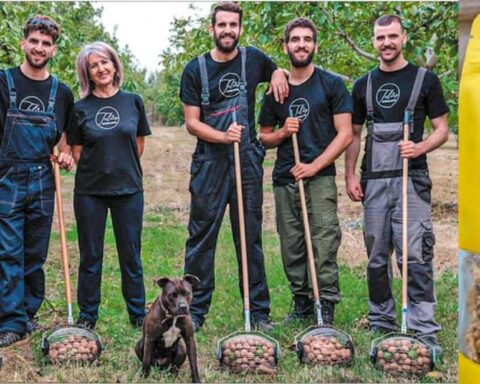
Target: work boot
[
  {"x": 302, "y": 311},
  {"x": 9, "y": 337},
  {"x": 328, "y": 311},
  {"x": 263, "y": 325},
  {"x": 32, "y": 325},
  {"x": 432, "y": 341},
  {"x": 89, "y": 324}
]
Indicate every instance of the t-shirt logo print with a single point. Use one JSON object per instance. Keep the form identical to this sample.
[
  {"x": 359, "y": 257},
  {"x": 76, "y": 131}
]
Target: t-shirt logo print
[
  {"x": 388, "y": 95},
  {"x": 107, "y": 118},
  {"x": 299, "y": 108},
  {"x": 32, "y": 104},
  {"x": 229, "y": 84}
]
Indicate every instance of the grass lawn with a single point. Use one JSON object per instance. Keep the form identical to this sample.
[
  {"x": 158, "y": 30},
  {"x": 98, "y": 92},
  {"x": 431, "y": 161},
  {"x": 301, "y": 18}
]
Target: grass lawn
[{"x": 163, "y": 245}]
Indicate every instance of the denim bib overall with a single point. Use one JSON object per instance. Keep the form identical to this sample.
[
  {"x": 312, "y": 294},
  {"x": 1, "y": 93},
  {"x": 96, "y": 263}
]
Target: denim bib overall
[
  {"x": 212, "y": 187},
  {"x": 26, "y": 208},
  {"x": 382, "y": 184}
]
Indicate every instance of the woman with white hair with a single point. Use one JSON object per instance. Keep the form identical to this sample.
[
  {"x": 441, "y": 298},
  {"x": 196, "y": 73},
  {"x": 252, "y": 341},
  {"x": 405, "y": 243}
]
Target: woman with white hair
[{"x": 107, "y": 143}]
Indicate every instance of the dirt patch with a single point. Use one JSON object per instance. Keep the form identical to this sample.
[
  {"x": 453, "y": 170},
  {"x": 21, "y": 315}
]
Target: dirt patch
[{"x": 166, "y": 164}]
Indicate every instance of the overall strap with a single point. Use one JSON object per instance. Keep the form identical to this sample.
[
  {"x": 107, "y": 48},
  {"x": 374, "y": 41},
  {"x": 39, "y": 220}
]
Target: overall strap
[
  {"x": 417, "y": 86},
  {"x": 243, "y": 76},
  {"x": 369, "y": 98},
  {"x": 204, "y": 79},
  {"x": 53, "y": 95},
  {"x": 12, "y": 93}
]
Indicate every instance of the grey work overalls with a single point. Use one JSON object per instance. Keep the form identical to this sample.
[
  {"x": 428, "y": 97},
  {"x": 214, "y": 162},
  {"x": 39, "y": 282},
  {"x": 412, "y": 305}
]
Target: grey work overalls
[
  {"x": 212, "y": 187},
  {"x": 382, "y": 183},
  {"x": 26, "y": 208}
]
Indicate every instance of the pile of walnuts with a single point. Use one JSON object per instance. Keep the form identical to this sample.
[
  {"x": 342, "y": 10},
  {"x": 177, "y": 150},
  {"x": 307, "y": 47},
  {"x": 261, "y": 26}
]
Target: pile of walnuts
[
  {"x": 73, "y": 348},
  {"x": 248, "y": 353},
  {"x": 472, "y": 335},
  {"x": 403, "y": 356},
  {"x": 325, "y": 350}
]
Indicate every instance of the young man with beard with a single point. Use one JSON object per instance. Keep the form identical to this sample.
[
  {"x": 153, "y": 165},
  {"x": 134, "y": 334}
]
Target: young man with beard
[
  {"x": 35, "y": 112},
  {"x": 318, "y": 109},
  {"x": 218, "y": 92},
  {"x": 382, "y": 98}
]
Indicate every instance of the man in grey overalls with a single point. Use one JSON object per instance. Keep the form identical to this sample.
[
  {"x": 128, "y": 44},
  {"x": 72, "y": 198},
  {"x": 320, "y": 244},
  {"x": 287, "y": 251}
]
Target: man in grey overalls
[
  {"x": 381, "y": 98},
  {"x": 218, "y": 92},
  {"x": 35, "y": 111}
]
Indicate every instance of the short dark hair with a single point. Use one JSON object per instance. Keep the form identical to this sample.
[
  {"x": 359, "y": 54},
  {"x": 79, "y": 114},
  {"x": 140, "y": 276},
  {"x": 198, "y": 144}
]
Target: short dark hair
[
  {"x": 385, "y": 20},
  {"x": 300, "y": 22},
  {"x": 227, "y": 6},
  {"x": 44, "y": 24}
]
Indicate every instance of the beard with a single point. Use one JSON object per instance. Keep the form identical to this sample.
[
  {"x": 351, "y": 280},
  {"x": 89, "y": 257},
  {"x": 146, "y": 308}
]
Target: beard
[
  {"x": 36, "y": 65},
  {"x": 225, "y": 48},
  {"x": 300, "y": 63}
]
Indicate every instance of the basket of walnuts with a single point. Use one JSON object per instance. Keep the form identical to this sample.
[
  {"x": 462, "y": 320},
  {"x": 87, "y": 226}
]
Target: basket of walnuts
[{"x": 71, "y": 344}]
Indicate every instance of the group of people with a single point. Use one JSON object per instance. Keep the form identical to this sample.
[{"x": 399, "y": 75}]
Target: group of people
[
  {"x": 103, "y": 134},
  {"x": 218, "y": 93}
]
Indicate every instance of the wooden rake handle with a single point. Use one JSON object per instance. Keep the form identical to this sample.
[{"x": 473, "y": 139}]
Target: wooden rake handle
[
  {"x": 306, "y": 224},
  {"x": 406, "y": 132},
  {"x": 241, "y": 224},
  {"x": 63, "y": 237}
]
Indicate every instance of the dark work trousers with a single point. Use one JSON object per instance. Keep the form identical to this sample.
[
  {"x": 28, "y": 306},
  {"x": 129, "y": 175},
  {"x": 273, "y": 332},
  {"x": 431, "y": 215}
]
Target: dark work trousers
[
  {"x": 212, "y": 187},
  {"x": 127, "y": 219},
  {"x": 26, "y": 209}
]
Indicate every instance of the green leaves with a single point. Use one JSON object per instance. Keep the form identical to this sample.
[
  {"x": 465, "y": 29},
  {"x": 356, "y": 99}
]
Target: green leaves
[{"x": 264, "y": 23}]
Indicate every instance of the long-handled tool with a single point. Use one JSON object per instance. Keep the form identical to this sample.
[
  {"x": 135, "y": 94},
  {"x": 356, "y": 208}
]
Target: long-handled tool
[
  {"x": 71, "y": 342},
  {"x": 400, "y": 353},
  {"x": 319, "y": 344},
  {"x": 248, "y": 350}
]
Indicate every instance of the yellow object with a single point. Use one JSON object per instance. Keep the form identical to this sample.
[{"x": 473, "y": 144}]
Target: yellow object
[
  {"x": 469, "y": 172},
  {"x": 468, "y": 371},
  {"x": 469, "y": 146}
]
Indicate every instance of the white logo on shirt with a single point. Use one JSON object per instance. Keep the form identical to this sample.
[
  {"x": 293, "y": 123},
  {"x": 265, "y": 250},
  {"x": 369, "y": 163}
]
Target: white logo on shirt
[
  {"x": 107, "y": 118},
  {"x": 388, "y": 95},
  {"x": 32, "y": 104},
  {"x": 229, "y": 85},
  {"x": 299, "y": 108}
]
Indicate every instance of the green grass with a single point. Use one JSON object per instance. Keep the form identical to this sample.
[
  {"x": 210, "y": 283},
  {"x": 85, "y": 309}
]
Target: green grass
[{"x": 162, "y": 254}]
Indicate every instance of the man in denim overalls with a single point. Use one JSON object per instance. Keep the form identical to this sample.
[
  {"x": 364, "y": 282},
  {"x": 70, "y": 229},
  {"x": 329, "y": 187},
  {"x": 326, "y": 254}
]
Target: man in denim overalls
[
  {"x": 216, "y": 87},
  {"x": 383, "y": 97},
  {"x": 35, "y": 111}
]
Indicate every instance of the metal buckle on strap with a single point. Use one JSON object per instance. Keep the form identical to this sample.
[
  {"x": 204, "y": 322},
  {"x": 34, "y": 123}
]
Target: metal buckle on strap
[
  {"x": 205, "y": 98},
  {"x": 242, "y": 85}
]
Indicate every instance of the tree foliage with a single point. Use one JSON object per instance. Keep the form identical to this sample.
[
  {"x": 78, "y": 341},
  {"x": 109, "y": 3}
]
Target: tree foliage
[
  {"x": 80, "y": 24},
  {"x": 344, "y": 39}
]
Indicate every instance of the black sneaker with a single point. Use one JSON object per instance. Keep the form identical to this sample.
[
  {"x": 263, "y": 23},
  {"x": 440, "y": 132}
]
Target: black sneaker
[
  {"x": 432, "y": 341},
  {"x": 32, "y": 325},
  {"x": 328, "y": 311},
  {"x": 86, "y": 323},
  {"x": 196, "y": 325},
  {"x": 9, "y": 337},
  {"x": 263, "y": 325},
  {"x": 137, "y": 323}
]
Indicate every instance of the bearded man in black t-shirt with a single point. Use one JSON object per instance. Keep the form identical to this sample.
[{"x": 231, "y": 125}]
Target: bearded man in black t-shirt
[
  {"x": 390, "y": 95},
  {"x": 35, "y": 113},
  {"x": 218, "y": 92},
  {"x": 319, "y": 110}
]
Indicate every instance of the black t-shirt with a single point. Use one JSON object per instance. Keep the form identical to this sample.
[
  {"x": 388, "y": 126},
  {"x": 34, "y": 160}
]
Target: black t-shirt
[
  {"x": 32, "y": 95},
  {"x": 223, "y": 80},
  {"x": 391, "y": 92},
  {"x": 315, "y": 102},
  {"x": 107, "y": 128}
]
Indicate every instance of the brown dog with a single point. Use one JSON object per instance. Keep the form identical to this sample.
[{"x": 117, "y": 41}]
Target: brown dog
[{"x": 167, "y": 329}]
